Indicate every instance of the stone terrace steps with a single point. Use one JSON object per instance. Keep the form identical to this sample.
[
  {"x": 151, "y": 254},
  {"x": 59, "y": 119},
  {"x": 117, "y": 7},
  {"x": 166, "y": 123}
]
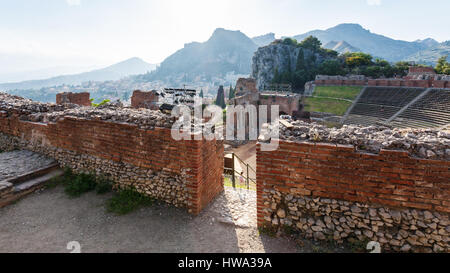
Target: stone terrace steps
[
  {"x": 38, "y": 181},
  {"x": 20, "y": 186}
]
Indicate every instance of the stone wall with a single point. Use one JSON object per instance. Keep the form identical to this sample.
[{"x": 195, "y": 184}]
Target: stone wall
[
  {"x": 82, "y": 99},
  {"x": 289, "y": 104},
  {"x": 418, "y": 70},
  {"x": 147, "y": 100},
  {"x": 132, "y": 151},
  {"x": 331, "y": 191},
  {"x": 357, "y": 80},
  {"x": 414, "y": 79},
  {"x": 245, "y": 85}
]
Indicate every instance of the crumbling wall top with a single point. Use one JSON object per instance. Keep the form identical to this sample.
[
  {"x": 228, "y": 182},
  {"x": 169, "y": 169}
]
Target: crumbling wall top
[
  {"x": 32, "y": 111},
  {"x": 420, "y": 143}
]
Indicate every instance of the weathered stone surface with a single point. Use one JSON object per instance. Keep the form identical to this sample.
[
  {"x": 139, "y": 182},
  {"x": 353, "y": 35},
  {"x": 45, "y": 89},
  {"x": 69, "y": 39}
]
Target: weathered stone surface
[
  {"x": 422, "y": 143},
  {"x": 46, "y": 112},
  {"x": 406, "y": 230}
]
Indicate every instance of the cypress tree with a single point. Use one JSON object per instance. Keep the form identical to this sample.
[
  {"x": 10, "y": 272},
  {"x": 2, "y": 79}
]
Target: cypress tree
[{"x": 232, "y": 93}]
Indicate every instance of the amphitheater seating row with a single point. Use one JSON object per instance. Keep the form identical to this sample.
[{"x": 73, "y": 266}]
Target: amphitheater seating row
[
  {"x": 390, "y": 96},
  {"x": 432, "y": 110},
  {"x": 380, "y": 104}
]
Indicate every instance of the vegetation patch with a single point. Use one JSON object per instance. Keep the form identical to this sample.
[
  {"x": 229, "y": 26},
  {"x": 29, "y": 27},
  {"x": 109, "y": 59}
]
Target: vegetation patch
[
  {"x": 79, "y": 184},
  {"x": 336, "y": 107},
  {"x": 228, "y": 182},
  {"x": 103, "y": 185},
  {"x": 268, "y": 230},
  {"x": 76, "y": 185},
  {"x": 340, "y": 92},
  {"x": 128, "y": 200},
  {"x": 99, "y": 104}
]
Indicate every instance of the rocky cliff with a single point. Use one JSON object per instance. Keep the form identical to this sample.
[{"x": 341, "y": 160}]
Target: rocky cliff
[
  {"x": 280, "y": 58},
  {"x": 226, "y": 51}
]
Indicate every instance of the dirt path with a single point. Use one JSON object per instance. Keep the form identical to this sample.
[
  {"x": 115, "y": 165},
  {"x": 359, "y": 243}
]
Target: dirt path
[{"x": 47, "y": 221}]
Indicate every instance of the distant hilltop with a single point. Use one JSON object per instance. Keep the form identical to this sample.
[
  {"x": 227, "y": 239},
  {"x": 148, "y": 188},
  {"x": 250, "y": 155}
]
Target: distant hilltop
[{"x": 117, "y": 71}]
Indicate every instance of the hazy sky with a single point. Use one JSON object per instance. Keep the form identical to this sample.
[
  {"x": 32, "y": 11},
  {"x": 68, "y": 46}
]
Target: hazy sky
[{"x": 45, "y": 33}]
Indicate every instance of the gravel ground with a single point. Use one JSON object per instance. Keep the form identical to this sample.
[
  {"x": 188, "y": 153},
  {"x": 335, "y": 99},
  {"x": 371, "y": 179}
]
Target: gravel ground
[
  {"x": 21, "y": 162},
  {"x": 46, "y": 221}
]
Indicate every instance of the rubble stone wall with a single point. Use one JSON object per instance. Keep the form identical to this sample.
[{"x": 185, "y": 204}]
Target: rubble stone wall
[
  {"x": 245, "y": 85},
  {"x": 422, "y": 81},
  {"x": 333, "y": 192},
  {"x": 287, "y": 104},
  {"x": 82, "y": 99},
  {"x": 146, "y": 100},
  {"x": 183, "y": 173}
]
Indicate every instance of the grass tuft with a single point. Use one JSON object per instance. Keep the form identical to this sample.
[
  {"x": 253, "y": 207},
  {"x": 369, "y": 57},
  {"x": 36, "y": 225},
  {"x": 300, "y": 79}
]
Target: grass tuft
[
  {"x": 80, "y": 184},
  {"x": 76, "y": 185},
  {"x": 103, "y": 185},
  {"x": 127, "y": 201}
]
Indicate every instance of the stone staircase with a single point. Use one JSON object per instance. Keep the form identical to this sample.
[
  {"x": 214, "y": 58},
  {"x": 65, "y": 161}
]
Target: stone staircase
[{"x": 17, "y": 187}]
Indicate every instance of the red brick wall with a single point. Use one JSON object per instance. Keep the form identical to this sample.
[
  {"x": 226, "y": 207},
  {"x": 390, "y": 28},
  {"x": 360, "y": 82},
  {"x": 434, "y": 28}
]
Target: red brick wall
[
  {"x": 407, "y": 82},
  {"x": 146, "y": 100},
  {"x": 82, "y": 99},
  {"x": 391, "y": 178},
  {"x": 246, "y": 85},
  {"x": 153, "y": 149},
  {"x": 441, "y": 84},
  {"x": 421, "y": 70}
]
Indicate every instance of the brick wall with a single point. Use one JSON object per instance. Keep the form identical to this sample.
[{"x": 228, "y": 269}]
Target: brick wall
[
  {"x": 245, "y": 85},
  {"x": 388, "y": 82},
  {"x": 125, "y": 144},
  {"x": 391, "y": 180},
  {"x": 82, "y": 99},
  {"x": 421, "y": 70},
  {"x": 146, "y": 100}
]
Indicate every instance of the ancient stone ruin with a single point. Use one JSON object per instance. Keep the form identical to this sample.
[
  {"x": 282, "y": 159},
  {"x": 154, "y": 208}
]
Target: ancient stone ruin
[
  {"x": 358, "y": 184},
  {"x": 147, "y": 100},
  {"x": 423, "y": 77},
  {"x": 81, "y": 99},
  {"x": 132, "y": 147}
]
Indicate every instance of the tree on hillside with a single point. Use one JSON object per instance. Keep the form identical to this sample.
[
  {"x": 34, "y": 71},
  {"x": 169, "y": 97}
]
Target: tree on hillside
[
  {"x": 290, "y": 41},
  {"x": 442, "y": 66},
  {"x": 311, "y": 43},
  {"x": 358, "y": 59},
  {"x": 331, "y": 68},
  {"x": 300, "y": 60},
  {"x": 276, "y": 76}
]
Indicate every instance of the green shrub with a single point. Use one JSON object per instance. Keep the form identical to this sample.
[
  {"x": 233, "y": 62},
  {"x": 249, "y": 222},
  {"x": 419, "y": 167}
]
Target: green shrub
[
  {"x": 77, "y": 184},
  {"x": 104, "y": 185},
  {"x": 54, "y": 182},
  {"x": 80, "y": 184},
  {"x": 127, "y": 201},
  {"x": 99, "y": 104}
]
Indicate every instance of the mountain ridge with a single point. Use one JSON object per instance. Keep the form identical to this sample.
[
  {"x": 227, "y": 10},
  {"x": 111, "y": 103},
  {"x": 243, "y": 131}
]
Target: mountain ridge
[
  {"x": 341, "y": 47},
  {"x": 224, "y": 52},
  {"x": 368, "y": 42},
  {"x": 132, "y": 66}
]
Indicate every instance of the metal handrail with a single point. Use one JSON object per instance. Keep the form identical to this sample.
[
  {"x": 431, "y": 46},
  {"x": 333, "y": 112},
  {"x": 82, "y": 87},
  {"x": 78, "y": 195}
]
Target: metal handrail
[{"x": 242, "y": 161}]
